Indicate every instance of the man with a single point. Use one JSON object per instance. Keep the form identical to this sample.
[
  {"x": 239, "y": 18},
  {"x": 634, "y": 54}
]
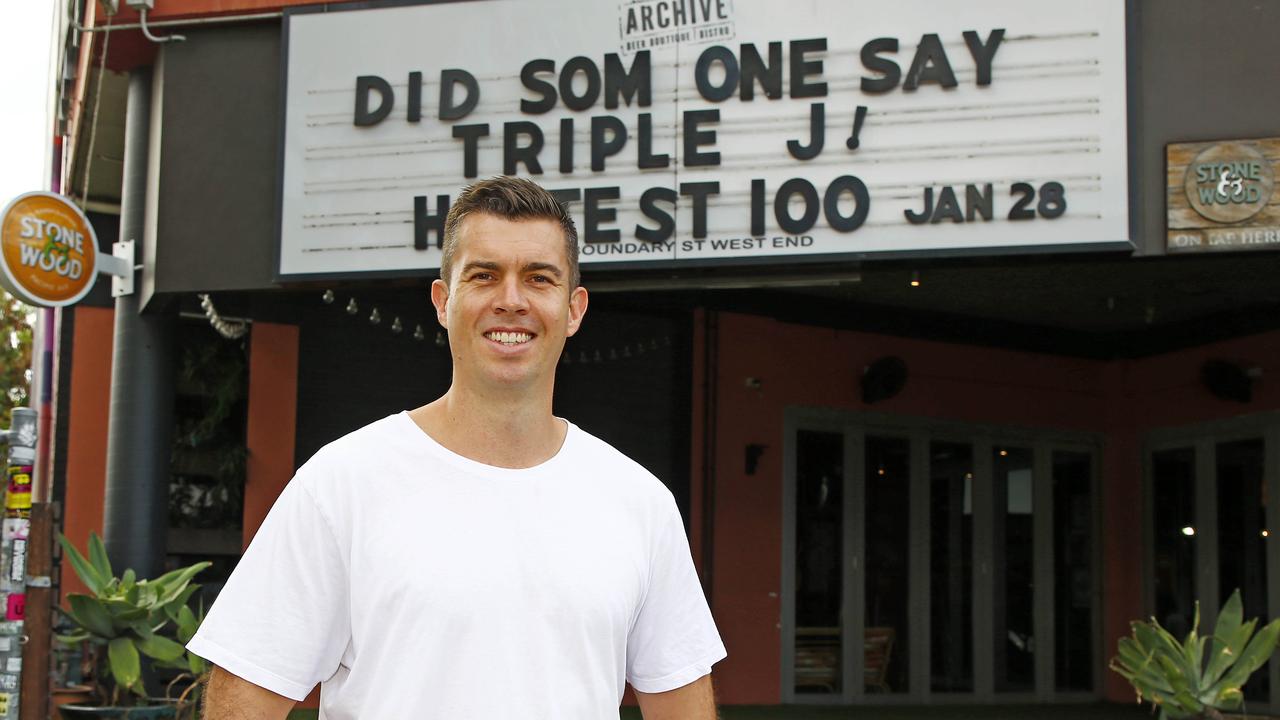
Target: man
[{"x": 478, "y": 557}]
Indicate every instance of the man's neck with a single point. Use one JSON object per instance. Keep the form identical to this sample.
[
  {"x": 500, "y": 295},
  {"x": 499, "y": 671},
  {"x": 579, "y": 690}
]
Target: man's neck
[{"x": 500, "y": 431}]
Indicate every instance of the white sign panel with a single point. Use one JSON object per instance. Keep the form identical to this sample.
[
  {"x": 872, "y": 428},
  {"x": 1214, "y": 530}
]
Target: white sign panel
[{"x": 709, "y": 131}]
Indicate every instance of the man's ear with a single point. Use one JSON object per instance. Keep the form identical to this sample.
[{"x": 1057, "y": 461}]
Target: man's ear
[
  {"x": 440, "y": 298},
  {"x": 577, "y": 309}
]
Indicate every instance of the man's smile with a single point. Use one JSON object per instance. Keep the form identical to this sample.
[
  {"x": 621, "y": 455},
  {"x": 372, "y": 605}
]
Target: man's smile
[{"x": 509, "y": 338}]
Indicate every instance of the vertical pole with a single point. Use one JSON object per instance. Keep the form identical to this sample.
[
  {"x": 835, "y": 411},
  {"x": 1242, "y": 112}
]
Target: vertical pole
[
  {"x": 140, "y": 421},
  {"x": 36, "y": 653}
]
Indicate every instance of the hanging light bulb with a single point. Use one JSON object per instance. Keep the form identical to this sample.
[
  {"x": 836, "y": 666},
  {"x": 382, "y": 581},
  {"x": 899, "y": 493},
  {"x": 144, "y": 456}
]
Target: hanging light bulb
[
  {"x": 564, "y": 358},
  {"x": 327, "y": 297},
  {"x": 352, "y": 307},
  {"x": 1189, "y": 531},
  {"x": 626, "y": 351},
  {"x": 597, "y": 358},
  {"x": 582, "y": 357},
  {"x": 375, "y": 317},
  {"x": 613, "y": 354},
  {"x": 440, "y": 339},
  {"x": 915, "y": 278},
  {"x": 396, "y": 327},
  {"x": 418, "y": 334}
]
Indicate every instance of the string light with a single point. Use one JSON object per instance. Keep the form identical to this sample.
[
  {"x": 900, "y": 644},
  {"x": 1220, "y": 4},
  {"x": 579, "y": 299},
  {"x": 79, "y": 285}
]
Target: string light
[{"x": 584, "y": 356}]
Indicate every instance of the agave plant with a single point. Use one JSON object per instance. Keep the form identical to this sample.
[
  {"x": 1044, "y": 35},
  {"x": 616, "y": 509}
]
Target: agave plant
[
  {"x": 129, "y": 618},
  {"x": 1175, "y": 677}
]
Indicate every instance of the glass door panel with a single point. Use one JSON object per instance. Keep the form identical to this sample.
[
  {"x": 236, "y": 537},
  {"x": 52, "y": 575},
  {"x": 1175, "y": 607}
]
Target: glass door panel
[
  {"x": 887, "y": 521},
  {"x": 1173, "y": 523},
  {"x": 951, "y": 566},
  {"x": 1012, "y": 570},
  {"x": 819, "y": 564},
  {"x": 1073, "y": 570},
  {"x": 1242, "y": 550}
]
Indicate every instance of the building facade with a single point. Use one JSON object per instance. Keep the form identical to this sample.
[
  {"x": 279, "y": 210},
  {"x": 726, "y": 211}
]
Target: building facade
[{"x": 922, "y": 314}]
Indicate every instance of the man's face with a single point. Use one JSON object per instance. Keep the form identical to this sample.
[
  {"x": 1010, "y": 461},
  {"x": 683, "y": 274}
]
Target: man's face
[{"x": 508, "y": 306}]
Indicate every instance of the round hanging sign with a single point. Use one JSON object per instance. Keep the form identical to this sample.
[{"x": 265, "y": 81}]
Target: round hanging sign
[{"x": 48, "y": 250}]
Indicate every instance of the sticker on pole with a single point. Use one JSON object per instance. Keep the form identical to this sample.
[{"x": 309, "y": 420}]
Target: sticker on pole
[{"x": 48, "y": 250}]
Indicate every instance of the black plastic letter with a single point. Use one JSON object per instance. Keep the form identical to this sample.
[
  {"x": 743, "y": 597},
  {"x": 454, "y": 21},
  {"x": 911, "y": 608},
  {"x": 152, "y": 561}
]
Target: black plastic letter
[{"x": 365, "y": 84}]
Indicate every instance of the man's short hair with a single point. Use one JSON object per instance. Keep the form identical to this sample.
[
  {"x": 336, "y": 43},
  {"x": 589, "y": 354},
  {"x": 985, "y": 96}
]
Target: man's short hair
[{"x": 509, "y": 198}]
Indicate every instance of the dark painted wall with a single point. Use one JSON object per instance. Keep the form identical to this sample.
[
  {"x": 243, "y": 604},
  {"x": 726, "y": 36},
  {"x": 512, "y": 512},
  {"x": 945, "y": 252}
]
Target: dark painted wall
[
  {"x": 1207, "y": 71},
  {"x": 352, "y": 372}
]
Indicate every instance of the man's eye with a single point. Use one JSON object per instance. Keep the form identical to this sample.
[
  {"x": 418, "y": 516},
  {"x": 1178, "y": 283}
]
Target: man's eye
[
  {"x": 541, "y": 279},
  {"x": 482, "y": 276}
]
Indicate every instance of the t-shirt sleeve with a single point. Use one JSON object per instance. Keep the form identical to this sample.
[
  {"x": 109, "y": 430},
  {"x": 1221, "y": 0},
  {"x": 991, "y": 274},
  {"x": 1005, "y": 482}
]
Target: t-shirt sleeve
[
  {"x": 673, "y": 640},
  {"x": 282, "y": 621}
]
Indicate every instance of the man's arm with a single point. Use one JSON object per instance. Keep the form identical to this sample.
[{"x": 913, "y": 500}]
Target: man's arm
[
  {"x": 229, "y": 697},
  {"x": 695, "y": 701}
]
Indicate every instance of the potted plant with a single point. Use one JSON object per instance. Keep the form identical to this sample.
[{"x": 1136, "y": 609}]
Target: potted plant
[
  {"x": 122, "y": 620},
  {"x": 1176, "y": 677}
]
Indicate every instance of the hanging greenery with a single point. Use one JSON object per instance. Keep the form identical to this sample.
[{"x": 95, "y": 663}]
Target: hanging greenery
[
  {"x": 16, "y": 322},
  {"x": 208, "y": 459}
]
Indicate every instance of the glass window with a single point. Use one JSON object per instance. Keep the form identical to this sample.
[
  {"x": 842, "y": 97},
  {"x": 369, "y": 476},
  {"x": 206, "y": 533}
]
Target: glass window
[
  {"x": 951, "y": 566},
  {"x": 1173, "y": 522},
  {"x": 1073, "y": 570},
  {"x": 1013, "y": 596},
  {"x": 819, "y": 537},
  {"x": 888, "y": 520},
  {"x": 1242, "y": 544}
]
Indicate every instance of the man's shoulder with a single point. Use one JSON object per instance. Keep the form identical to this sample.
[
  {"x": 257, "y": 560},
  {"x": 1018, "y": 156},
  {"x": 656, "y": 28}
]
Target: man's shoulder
[
  {"x": 354, "y": 449},
  {"x": 601, "y": 457}
]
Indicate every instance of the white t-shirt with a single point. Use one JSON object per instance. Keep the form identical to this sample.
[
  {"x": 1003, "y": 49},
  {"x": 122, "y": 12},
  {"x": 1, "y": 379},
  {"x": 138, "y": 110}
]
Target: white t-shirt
[{"x": 412, "y": 582}]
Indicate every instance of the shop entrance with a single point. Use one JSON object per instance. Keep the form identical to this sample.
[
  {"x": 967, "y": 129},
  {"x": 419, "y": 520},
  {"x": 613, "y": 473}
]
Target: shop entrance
[{"x": 926, "y": 560}]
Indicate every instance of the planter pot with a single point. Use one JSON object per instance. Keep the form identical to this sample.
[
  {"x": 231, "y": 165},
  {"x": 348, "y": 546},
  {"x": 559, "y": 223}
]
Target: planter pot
[
  {"x": 96, "y": 712},
  {"x": 73, "y": 695}
]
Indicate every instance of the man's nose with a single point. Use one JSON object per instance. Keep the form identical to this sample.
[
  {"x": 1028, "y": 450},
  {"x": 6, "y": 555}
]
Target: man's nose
[{"x": 511, "y": 296}]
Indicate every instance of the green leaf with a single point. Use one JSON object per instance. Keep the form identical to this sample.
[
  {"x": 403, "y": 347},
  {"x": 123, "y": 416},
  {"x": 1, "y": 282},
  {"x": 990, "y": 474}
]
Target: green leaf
[
  {"x": 123, "y": 611},
  {"x": 88, "y": 613},
  {"x": 171, "y": 608},
  {"x": 187, "y": 624},
  {"x": 196, "y": 664},
  {"x": 174, "y": 587},
  {"x": 174, "y": 576},
  {"x": 1229, "y": 638},
  {"x": 98, "y": 556},
  {"x": 126, "y": 667},
  {"x": 84, "y": 569},
  {"x": 160, "y": 647},
  {"x": 128, "y": 579},
  {"x": 1253, "y": 657},
  {"x": 74, "y": 638}
]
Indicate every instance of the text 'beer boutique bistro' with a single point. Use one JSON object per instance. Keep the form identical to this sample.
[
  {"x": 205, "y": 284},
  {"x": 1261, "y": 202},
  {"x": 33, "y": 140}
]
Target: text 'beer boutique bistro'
[{"x": 952, "y": 327}]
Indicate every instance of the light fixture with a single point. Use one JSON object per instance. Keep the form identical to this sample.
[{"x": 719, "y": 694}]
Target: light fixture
[
  {"x": 1004, "y": 453},
  {"x": 915, "y": 278},
  {"x": 1188, "y": 531},
  {"x": 880, "y": 471},
  {"x": 1266, "y": 534}
]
